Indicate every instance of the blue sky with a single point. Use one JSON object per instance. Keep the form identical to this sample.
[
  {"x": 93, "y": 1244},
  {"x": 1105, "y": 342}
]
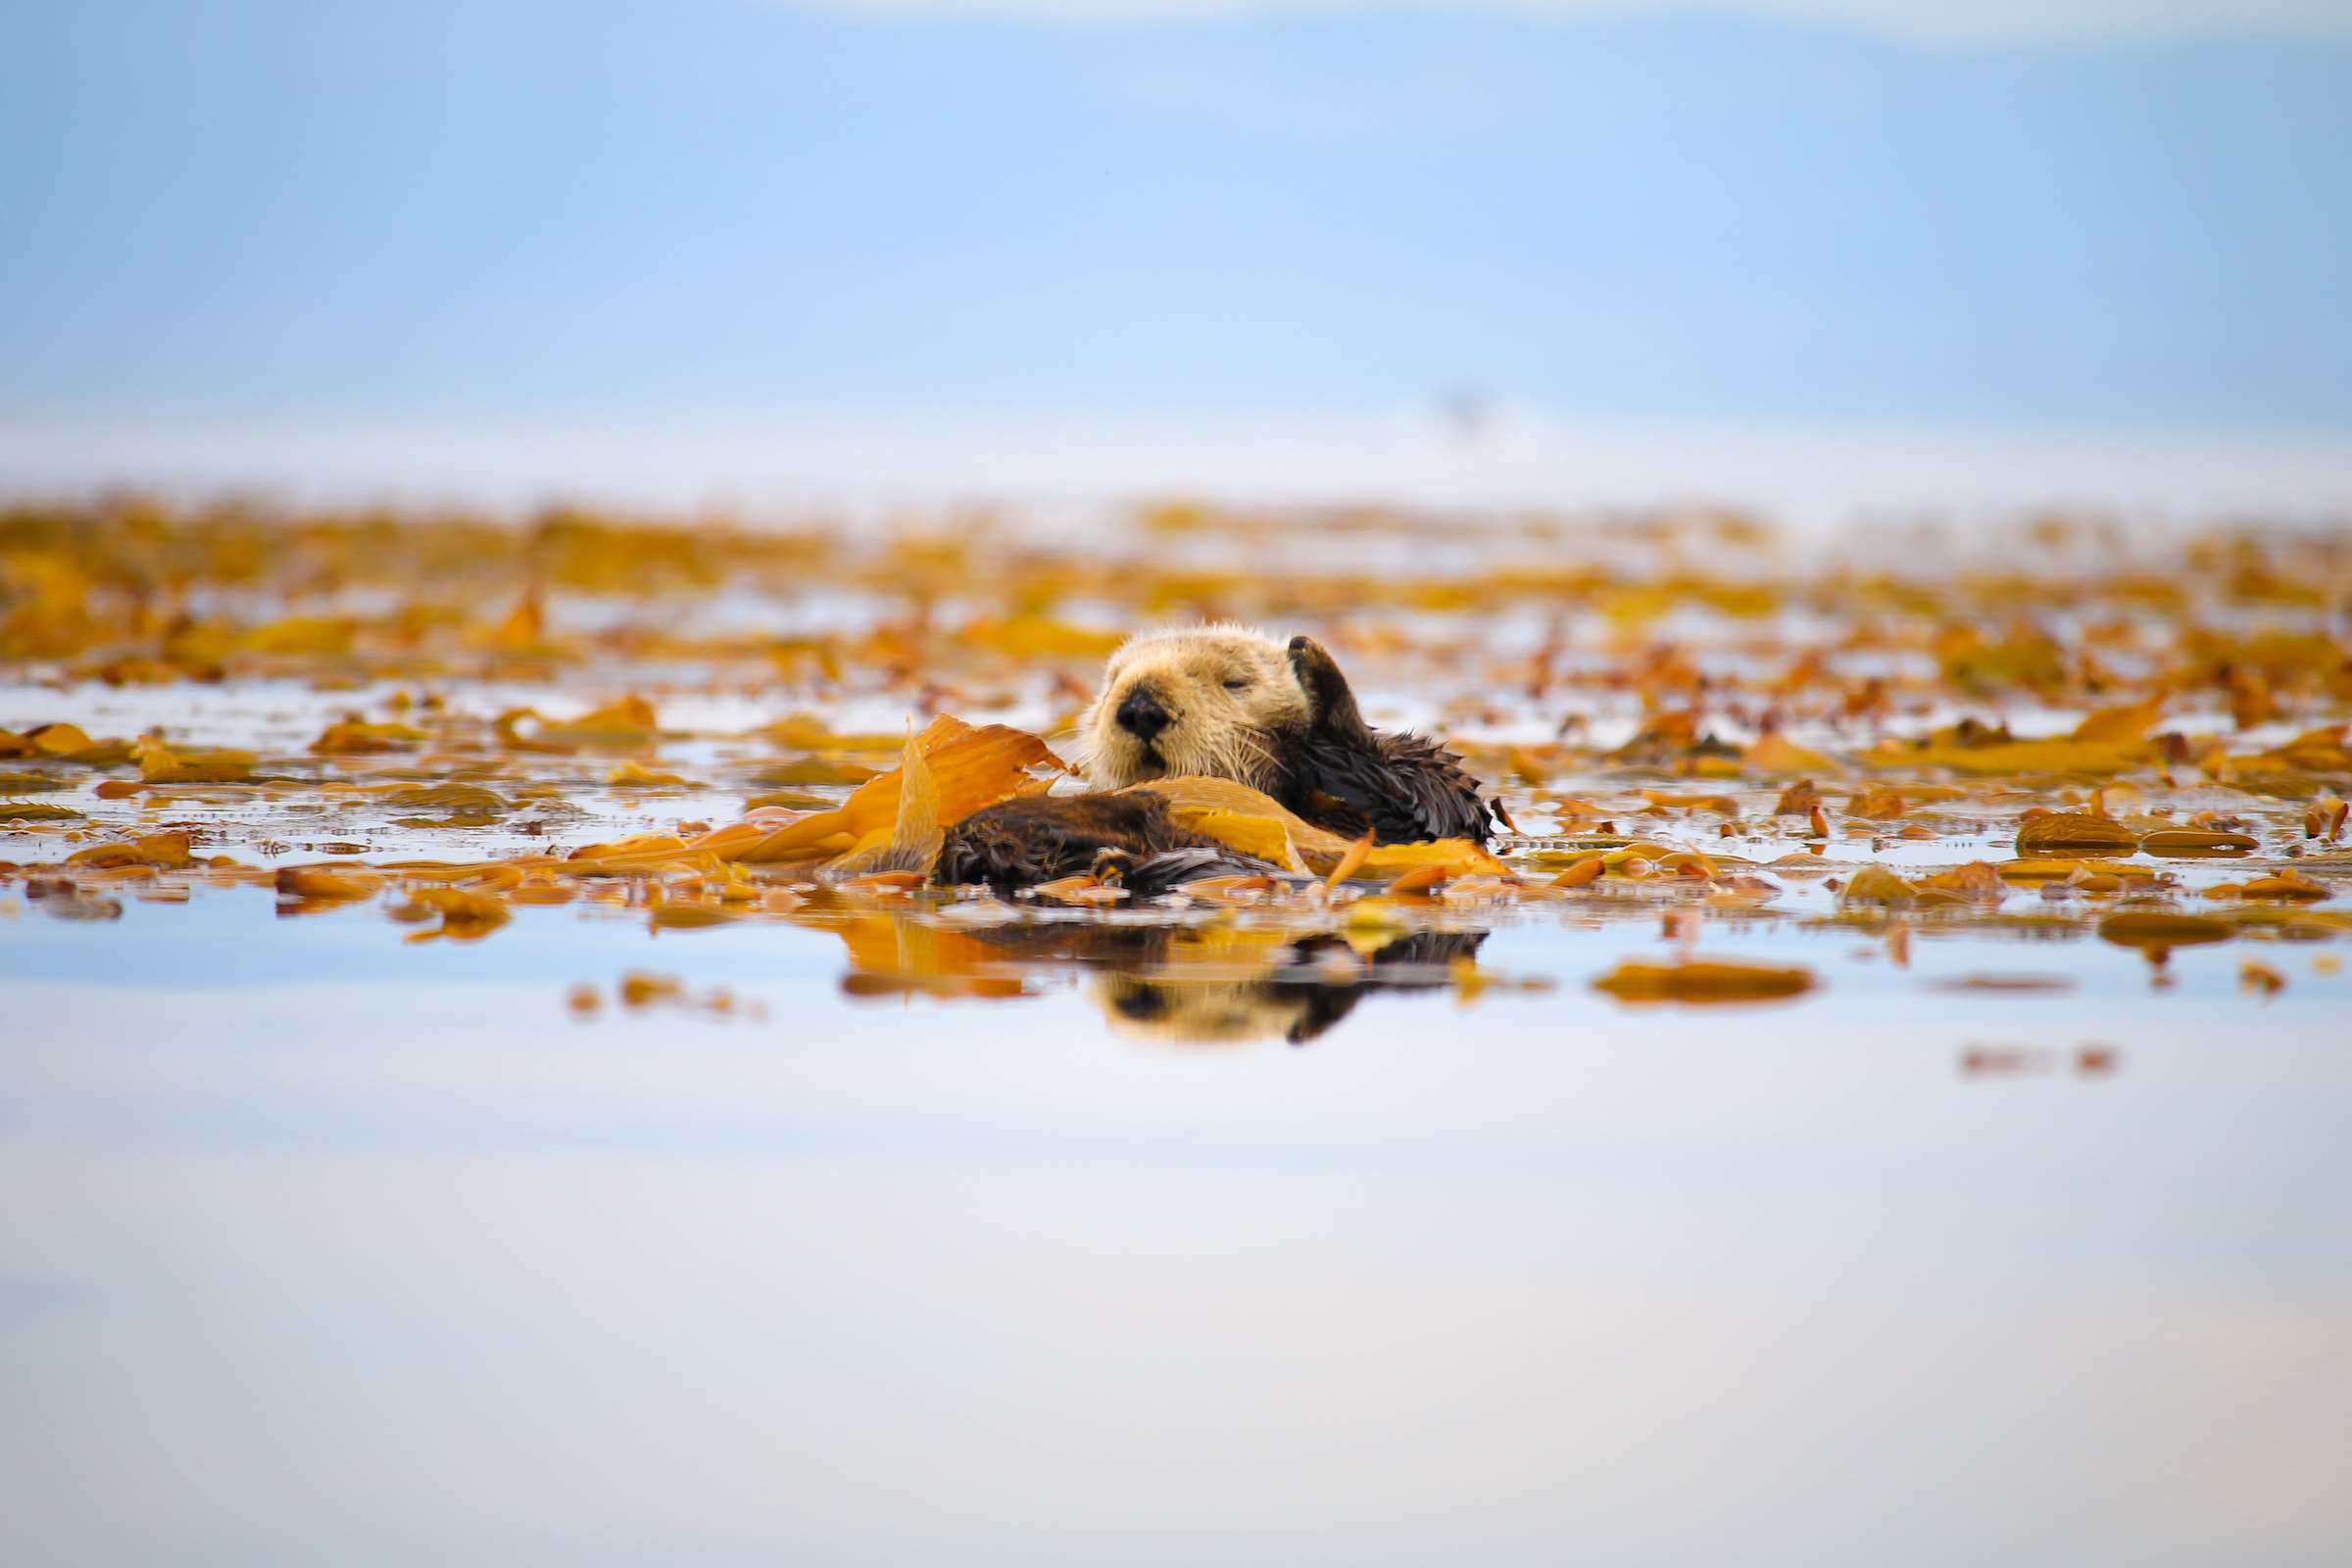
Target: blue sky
[{"x": 2045, "y": 216}]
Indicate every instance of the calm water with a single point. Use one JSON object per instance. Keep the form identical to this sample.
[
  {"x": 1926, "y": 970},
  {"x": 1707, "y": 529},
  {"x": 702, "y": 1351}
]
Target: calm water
[{"x": 319, "y": 1247}]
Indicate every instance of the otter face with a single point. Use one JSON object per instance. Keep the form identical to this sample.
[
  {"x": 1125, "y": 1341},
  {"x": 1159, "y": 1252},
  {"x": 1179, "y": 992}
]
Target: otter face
[{"x": 1205, "y": 699}]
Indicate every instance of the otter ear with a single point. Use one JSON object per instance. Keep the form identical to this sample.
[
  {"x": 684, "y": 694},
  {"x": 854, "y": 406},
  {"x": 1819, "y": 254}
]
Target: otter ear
[{"x": 1330, "y": 701}]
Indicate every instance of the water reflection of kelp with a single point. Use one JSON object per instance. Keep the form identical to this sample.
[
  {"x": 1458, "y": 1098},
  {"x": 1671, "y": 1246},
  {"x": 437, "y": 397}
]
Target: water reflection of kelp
[{"x": 1211, "y": 984}]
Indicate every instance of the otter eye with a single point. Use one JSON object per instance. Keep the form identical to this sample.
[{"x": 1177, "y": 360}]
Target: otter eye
[{"x": 1235, "y": 683}]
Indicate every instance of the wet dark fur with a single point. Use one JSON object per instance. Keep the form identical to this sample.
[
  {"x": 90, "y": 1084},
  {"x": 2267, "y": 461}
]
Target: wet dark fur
[
  {"x": 1341, "y": 775},
  {"x": 1039, "y": 838},
  {"x": 1338, "y": 772}
]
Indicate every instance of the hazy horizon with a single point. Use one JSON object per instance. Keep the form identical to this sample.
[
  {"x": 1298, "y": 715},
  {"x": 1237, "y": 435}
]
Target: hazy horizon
[{"x": 1811, "y": 478}]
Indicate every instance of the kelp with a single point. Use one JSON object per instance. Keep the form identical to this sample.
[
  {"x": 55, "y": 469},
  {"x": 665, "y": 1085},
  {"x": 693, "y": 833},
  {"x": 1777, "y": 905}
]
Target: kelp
[{"x": 454, "y": 723}]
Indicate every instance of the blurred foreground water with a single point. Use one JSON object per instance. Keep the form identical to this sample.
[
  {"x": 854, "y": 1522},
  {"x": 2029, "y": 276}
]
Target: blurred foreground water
[{"x": 319, "y": 1248}]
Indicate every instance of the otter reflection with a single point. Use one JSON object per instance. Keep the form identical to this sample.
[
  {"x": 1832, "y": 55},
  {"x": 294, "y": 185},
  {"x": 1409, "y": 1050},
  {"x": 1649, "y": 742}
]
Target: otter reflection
[{"x": 1223, "y": 986}]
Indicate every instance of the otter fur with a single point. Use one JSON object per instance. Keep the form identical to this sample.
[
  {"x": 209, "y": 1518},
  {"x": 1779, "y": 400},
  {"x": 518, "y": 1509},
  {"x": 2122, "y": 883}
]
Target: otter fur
[
  {"x": 1219, "y": 702},
  {"x": 1039, "y": 838},
  {"x": 1228, "y": 702}
]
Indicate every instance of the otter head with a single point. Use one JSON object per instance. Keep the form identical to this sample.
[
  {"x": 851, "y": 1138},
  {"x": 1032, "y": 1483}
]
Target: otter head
[{"x": 1219, "y": 700}]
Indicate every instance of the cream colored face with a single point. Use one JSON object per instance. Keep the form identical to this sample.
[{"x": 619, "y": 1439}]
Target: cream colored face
[{"x": 1222, "y": 696}]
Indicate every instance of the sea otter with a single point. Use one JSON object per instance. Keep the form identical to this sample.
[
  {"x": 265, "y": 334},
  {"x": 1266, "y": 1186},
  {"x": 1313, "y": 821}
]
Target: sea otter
[{"x": 1222, "y": 702}]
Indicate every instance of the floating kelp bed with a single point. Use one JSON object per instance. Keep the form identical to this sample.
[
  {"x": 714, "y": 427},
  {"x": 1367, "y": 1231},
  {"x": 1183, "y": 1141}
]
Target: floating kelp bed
[{"x": 444, "y": 724}]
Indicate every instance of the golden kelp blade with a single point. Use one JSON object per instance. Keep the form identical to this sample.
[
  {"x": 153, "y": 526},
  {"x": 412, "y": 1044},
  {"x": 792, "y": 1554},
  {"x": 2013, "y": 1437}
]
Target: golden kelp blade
[
  {"x": 641, "y": 853},
  {"x": 1266, "y": 838},
  {"x": 1349, "y": 862},
  {"x": 2123, "y": 724},
  {"x": 806, "y": 732},
  {"x": 465, "y": 913},
  {"x": 1666, "y": 800},
  {"x": 161, "y": 765},
  {"x": 881, "y": 884},
  {"x": 910, "y": 844},
  {"x": 524, "y": 629},
  {"x": 2076, "y": 833},
  {"x": 1777, "y": 754},
  {"x": 327, "y": 882},
  {"x": 1231, "y": 805},
  {"x": 2288, "y": 887},
  {"x": 627, "y": 725},
  {"x": 1582, "y": 873},
  {"x": 2158, "y": 928},
  {"x": 354, "y": 736},
  {"x": 1085, "y": 890},
  {"x": 1457, "y": 858},
  {"x": 679, "y": 917},
  {"x": 1256, "y": 823},
  {"x": 300, "y": 634},
  {"x": 473, "y": 874},
  {"x": 1876, "y": 885},
  {"x": 1977, "y": 880},
  {"x": 2192, "y": 841},
  {"x": 1037, "y": 637},
  {"x": 65, "y": 742},
  {"x": 37, "y": 811},
  {"x": 636, "y": 775},
  {"x": 1231, "y": 891},
  {"x": 160, "y": 849},
  {"x": 2013, "y": 756},
  {"x": 461, "y": 798},
  {"x": 969, "y": 769},
  {"x": 1704, "y": 981},
  {"x": 2038, "y": 870}
]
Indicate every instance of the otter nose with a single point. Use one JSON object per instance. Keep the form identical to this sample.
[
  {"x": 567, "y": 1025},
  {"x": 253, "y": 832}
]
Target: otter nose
[{"x": 1142, "y": 716}]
